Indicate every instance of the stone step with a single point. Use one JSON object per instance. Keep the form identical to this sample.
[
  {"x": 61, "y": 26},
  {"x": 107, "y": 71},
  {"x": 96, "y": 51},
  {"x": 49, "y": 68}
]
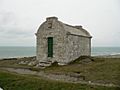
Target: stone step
[{"x": 44, "y": 64}]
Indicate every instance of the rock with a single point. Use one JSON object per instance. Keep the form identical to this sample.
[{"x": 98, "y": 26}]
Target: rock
[
  {"x": 32, "y": 63},
  {"x": 1, "y": 88},
  {"x": 89, "y": 82},
  {"x": 23, "y": 62}
]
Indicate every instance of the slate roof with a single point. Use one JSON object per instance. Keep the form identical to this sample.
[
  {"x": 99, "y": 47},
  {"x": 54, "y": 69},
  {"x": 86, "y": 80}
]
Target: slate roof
[{"x": 76, "y": 30}]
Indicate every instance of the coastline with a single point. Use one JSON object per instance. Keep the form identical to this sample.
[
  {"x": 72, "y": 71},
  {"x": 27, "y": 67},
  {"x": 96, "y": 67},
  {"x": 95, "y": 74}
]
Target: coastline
[
  {"x": 16, "y": 58},
  {"x": 108, "y": 56}
]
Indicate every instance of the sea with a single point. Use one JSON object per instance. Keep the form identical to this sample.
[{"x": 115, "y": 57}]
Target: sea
[{"x": 15, "y": 51}]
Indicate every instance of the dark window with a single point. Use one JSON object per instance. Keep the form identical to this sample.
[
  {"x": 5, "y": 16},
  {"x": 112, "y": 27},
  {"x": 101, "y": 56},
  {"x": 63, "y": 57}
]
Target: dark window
[{"x": 50, "y": 46}]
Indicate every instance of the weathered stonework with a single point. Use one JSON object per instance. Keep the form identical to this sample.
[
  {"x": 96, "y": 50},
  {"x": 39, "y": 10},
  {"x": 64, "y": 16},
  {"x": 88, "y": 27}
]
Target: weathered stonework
[{"x": 69, "y": 42}]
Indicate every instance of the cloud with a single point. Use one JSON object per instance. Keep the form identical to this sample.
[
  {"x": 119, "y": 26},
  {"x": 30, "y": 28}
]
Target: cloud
[
  {"x": 20, "y": 19},
  {"x": 12, "y": 32},
  {"x": 6, "y": 17}
]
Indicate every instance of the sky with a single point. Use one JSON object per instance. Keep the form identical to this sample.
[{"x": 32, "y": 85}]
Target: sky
[{"x": 20, "y": 19}]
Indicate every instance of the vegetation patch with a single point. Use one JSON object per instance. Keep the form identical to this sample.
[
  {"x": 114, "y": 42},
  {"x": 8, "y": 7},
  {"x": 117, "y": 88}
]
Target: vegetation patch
[
  {"x": 12, "y": 81},
  {"x": 100, "y": 70},
  {"x": 82, "y": 59},
  {"x": 97, "y": 70},
  {"x": 17, "y": 62}
]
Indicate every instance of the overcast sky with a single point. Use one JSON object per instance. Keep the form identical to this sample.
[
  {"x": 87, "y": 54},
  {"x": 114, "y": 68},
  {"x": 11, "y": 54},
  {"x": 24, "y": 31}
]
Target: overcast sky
[{"x": 20, "y": 19}]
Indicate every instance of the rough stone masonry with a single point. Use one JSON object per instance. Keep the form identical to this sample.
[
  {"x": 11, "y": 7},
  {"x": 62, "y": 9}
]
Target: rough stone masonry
[{"x": 57, "y": 41}]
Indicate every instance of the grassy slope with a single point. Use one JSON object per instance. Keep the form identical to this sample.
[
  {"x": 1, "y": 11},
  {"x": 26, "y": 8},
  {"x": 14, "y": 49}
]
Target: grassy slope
[
  {"x": 102, "y": 70},
  {"x": 12, "y": 81},
  {"x": 14, "y": 62}
]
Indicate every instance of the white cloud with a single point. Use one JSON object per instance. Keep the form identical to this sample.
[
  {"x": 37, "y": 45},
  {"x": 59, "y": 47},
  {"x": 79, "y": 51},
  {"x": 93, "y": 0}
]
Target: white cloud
[{"x": 21, "y": 18}]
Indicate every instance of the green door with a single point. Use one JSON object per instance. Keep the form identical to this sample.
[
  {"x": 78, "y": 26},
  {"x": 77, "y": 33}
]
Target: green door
[{"x": 50, "y": 46}]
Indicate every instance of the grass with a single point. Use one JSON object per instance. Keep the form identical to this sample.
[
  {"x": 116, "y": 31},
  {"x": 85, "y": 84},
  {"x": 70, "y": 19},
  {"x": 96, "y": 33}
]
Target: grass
[
  {"x": 12, "y": 81},
  {"x": 14, "y": 62},
  {"x": 100, "y": 70}
]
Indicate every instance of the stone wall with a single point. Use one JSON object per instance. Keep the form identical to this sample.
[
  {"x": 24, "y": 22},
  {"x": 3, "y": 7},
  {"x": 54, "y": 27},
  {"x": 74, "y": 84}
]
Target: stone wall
[
  {"x": 59, "y": 36},
  {"x": 77, "y": 46}
]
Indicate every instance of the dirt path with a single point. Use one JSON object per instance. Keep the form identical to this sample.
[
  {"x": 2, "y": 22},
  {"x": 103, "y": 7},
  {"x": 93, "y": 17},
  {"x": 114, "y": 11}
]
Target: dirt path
[{"x": 60, "y": 77}]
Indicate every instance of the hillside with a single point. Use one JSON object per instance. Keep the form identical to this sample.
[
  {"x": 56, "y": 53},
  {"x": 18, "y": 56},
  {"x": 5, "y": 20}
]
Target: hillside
[{"x": 96, "y": 70}]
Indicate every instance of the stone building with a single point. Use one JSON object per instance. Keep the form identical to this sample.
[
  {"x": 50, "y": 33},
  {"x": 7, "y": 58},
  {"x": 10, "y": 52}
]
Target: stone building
[{"x": 57, "y": 41}]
